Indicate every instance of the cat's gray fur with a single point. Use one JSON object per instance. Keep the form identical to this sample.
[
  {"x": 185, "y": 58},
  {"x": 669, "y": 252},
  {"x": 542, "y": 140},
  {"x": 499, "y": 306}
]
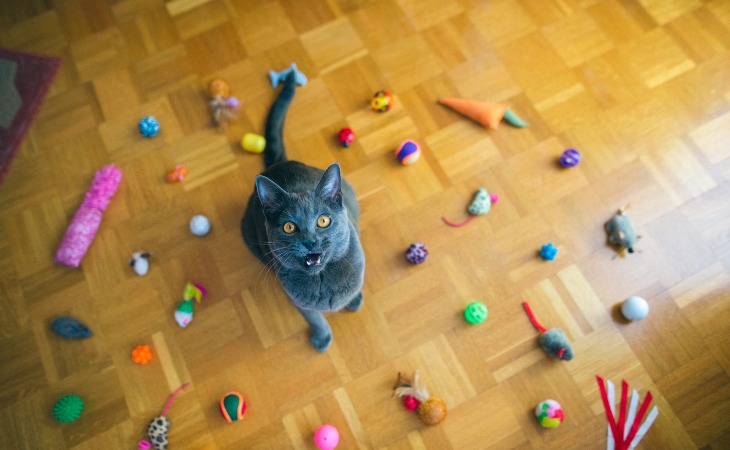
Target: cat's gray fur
[{"x": 320, "y": 269}]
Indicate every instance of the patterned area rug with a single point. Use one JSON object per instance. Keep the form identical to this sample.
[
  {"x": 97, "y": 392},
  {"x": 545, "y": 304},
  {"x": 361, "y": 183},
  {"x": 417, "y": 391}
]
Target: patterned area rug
[{"x": 24, "y": 82}]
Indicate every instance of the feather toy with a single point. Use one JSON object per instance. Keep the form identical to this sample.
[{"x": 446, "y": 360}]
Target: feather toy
[
  {"x": 415, "y": 395},
  {"x": 626, "y": 429}
]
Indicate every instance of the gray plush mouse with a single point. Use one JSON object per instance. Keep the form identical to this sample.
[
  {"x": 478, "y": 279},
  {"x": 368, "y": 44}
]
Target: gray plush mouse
[{"x": 620, "y": 231}]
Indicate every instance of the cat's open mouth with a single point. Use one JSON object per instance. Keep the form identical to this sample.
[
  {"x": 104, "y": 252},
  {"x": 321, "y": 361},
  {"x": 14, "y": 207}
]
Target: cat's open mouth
[{"x": 313, "y": 259}]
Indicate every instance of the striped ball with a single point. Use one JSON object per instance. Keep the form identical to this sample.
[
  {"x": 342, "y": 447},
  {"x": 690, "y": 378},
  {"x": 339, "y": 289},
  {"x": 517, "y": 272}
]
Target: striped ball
[
  {"x": 408, "y": 152},
  {"x": 570, "y": 158}
]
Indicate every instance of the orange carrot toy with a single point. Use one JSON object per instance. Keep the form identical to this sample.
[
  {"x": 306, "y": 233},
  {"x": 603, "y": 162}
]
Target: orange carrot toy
[{"x": 487, "y": 114}]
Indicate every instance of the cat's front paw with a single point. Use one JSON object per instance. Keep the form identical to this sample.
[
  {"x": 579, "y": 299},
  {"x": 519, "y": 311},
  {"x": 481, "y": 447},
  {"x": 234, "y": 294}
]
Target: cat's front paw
[
  {"x": 322, "y": 342},
  {"x": 356, "y": 303}
]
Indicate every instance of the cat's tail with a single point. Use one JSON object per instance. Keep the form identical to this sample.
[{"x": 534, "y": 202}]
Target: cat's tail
[{"x": 274, "y": 134}]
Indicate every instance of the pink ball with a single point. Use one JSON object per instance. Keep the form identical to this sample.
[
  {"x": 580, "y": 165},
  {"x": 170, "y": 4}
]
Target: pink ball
[{"x": 326, "y": 437}]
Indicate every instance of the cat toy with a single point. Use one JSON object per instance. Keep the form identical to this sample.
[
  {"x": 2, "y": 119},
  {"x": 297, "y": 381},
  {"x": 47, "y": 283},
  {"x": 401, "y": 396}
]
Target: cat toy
[
  {"x": 408, "y": 152},
  {"x": 184, "y": 311},
  {"x": 149, "y": 126},
  {"x": 553, "y": 341},
  {"x": 476, "y": 313},
  {"x": 232, "y": 406},
  {"x": 278, "y": 77},
  {"x": 176, "y": 174},
  {"x": 346, "y": 137},
  {"x": 199, "y": 225},
  {"x": 142, "y": 354},
  {"x": 326, "y": 437},
  {"x": 431, "y": 410},
  {"x": 69, "y": 327},
  {"x": 85, "y": 223},
  {"x": 549, "y": 413},
  {"x": 223, "y": 105},
  {"x": 487, "y": 114},
  {"x": 68, "y": 408},
  {"x": 621, "y": 231},
  {"x": 480, "y": 205},
  {"x": 570, "y": 158},
  {"x": 548, "y": 252},
  {"x": 625, "y": 429},
  {"x": 417, "y": 253},
  {"x": 158, "y": 427},
  {"x": 140, "y": 263},
  {"x": 253, "y": 143},
  {"x": 634, "y": 308},
  {"x": 382, "y": 101}
]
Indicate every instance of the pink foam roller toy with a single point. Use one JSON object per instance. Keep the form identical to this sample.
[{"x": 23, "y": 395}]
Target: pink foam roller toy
[{"x": 85, "y": 223}]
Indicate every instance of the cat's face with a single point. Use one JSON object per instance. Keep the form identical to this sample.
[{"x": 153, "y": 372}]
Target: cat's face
[{"x": 306, "y": 230}]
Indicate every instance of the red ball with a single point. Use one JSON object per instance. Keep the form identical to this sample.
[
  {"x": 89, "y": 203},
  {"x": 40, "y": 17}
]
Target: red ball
[
  {"x": 346, "y": 137},
  {"x": 410, "y": 403}
]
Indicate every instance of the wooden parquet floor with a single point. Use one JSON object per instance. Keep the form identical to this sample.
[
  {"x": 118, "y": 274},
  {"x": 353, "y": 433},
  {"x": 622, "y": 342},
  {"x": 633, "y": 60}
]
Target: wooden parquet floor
[{"x": 640, "y": 87}]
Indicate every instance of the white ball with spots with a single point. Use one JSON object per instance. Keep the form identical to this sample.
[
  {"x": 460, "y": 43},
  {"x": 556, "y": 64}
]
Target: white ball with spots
[
  {"x": 200, "y": 225},
  {"x": 634, "y": 308}
]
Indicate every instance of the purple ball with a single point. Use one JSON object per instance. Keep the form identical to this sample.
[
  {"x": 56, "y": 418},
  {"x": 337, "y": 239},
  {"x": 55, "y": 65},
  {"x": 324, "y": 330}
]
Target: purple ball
[
  {"x": 233, "y": 103},
  {"x": 416, "y": 253},
  {"x": 570, "y": 158}
]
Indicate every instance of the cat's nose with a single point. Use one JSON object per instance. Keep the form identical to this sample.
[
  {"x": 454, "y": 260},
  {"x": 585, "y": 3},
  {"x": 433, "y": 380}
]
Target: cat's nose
[{"x": 309, "y": 245}]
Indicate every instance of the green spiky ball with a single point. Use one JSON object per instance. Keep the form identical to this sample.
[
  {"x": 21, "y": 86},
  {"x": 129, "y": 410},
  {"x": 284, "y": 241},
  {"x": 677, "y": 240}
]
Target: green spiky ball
[{"x": 68, "y": 408}]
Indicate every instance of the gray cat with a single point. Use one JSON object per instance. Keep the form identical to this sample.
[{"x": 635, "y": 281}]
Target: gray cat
[{"x": 302, "y": 222}]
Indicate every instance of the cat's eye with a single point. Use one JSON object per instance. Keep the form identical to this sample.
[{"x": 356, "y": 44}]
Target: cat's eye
[
  {"x": 323, "y": 221},
  {"x": 290, "y": 227}
]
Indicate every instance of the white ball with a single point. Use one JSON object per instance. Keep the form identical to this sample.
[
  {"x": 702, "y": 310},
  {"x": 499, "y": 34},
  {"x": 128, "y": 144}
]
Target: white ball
[
  {"x": 200, "y": 225},
  {"x": 634, "y": 308}
]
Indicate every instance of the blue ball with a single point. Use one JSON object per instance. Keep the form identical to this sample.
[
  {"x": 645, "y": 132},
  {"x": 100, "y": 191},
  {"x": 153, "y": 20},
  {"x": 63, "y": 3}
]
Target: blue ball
[
  {"x": 548, "y": 252},
  {"x": 149, "y": 126}
]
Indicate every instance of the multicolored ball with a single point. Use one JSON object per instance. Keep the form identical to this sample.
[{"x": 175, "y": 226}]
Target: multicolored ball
[
  {"x": 233, "y": 406},
  {"x": 570, "y": 158},
  {"x": 408, "y": 152},
  {"x": 549, "y": 413},
  {"x": 382, "y": 101},
  {"x": 417, "y": 253},
  {"x": 149, "y": 126}
]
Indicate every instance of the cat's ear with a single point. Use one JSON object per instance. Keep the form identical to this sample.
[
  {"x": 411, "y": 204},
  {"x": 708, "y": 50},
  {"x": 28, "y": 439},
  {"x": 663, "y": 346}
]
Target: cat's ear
[
  {"x": 271, "y": 195},
  {"x": 330, "y": 185}
]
